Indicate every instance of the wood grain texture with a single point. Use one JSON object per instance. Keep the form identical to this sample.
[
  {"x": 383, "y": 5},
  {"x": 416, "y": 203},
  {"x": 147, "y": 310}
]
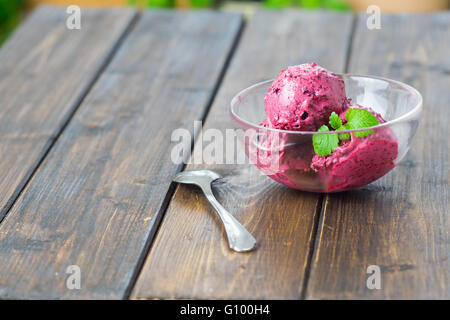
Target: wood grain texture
[
  {"x": 400, "y": 223},
  {"x": 190, "y": 257},
  {"x": 45, "y": 71},
  {"x": 96, "y": 199}
]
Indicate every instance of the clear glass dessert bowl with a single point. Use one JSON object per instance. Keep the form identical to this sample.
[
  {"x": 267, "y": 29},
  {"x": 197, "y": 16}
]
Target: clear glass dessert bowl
[{"x": 289, "y": 157}]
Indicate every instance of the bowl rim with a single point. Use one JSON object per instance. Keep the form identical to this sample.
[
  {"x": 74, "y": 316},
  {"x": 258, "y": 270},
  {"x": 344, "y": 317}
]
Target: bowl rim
[{"x": 417, "y": 108}]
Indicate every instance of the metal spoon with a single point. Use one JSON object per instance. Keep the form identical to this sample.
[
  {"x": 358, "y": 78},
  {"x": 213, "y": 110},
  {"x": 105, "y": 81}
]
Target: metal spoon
[{"x": 239, "y": 239}]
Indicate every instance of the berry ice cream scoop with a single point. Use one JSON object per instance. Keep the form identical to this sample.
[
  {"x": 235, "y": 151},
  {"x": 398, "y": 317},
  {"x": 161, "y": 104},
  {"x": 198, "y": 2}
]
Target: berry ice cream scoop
[{"x": 302, "y": 98}]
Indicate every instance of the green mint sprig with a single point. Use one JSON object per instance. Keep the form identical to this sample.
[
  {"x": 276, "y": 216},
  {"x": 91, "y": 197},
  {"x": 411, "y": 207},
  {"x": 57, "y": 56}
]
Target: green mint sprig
[
  {"x": 335, "y": 121},
  {"x": 358, "y": 119},
  {"x": 336, "y": 124},
  {"x": 324, "y": 144}
]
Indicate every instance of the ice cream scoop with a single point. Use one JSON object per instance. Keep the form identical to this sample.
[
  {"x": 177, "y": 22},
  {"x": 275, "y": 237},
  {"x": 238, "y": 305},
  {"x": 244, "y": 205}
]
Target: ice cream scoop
[{"x": 302, "y": 98}]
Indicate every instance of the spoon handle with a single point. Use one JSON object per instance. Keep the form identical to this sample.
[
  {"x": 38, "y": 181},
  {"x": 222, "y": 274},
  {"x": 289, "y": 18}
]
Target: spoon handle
[{"x": 239, "y": 239}]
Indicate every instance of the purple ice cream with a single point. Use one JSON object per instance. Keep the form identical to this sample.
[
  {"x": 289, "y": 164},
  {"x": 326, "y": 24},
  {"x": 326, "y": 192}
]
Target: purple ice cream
[{"x": 303, "y": 97}]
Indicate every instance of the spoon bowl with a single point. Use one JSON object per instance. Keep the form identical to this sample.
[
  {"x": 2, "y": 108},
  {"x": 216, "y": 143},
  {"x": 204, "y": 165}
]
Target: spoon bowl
[
  {"x": 197, "y": 177},
  {"x": 239, "y": 239}
]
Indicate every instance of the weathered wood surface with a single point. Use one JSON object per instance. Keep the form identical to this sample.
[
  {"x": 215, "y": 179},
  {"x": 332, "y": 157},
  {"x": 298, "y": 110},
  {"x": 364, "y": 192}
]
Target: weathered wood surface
[
  {"x": 43, "y": 77},
  {"x": 400, "y": 223},
  {"x": 189, "y": 257},
  {"x": 96, "y": 199}
]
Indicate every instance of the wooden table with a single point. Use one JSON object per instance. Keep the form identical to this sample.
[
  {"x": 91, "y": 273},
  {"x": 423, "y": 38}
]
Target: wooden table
[{"x": 86, "y": 118}]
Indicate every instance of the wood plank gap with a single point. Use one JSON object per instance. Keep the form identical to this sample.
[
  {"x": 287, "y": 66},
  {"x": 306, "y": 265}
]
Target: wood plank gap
[
  {"x": 350, "y": 43},
  {"x": 171, "y": 191},
  {"x": 324, "y": 198},
  {"x": 59, "y": 131},
  {"x": 230, "y": 55},
  {"x": 313, "y": 242}
]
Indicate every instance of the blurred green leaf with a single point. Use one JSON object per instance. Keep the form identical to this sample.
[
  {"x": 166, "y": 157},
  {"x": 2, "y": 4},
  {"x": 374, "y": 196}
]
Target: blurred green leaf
[
  {"x": 336, "y": 5},
  {"x": 9, "y": 16},
  {"x": 201, "y": 3},
  {"x": 277, "y": 4},
  {"x": 8, "y": 8},
  {"x": 161, "y": 3},
  {"x": 310, "y": 4}
]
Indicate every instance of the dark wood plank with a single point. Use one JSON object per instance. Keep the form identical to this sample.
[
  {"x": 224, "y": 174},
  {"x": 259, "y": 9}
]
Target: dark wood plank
[
  {"x": 400, "y": 223},
  {"x": 96, "y": 199},
  {"x": 45, "y": 71},
  {"x": 190, "y": 257}
]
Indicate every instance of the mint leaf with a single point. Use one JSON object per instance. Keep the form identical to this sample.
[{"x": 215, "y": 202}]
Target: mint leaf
[
  {"x": 343, "y": 136},
  {"x": 358, "y": 119},
  {"x": 336, "y": 124},
  {"x": 324, "y": 144},
  {"x": 335, "y": 121}
]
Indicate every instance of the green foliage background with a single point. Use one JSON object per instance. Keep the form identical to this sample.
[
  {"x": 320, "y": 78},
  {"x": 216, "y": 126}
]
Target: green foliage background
[{"x": 10, "y": 13}]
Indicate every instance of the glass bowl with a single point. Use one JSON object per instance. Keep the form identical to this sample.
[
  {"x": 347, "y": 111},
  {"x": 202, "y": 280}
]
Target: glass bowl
[{"x": 289, "y": 158}]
